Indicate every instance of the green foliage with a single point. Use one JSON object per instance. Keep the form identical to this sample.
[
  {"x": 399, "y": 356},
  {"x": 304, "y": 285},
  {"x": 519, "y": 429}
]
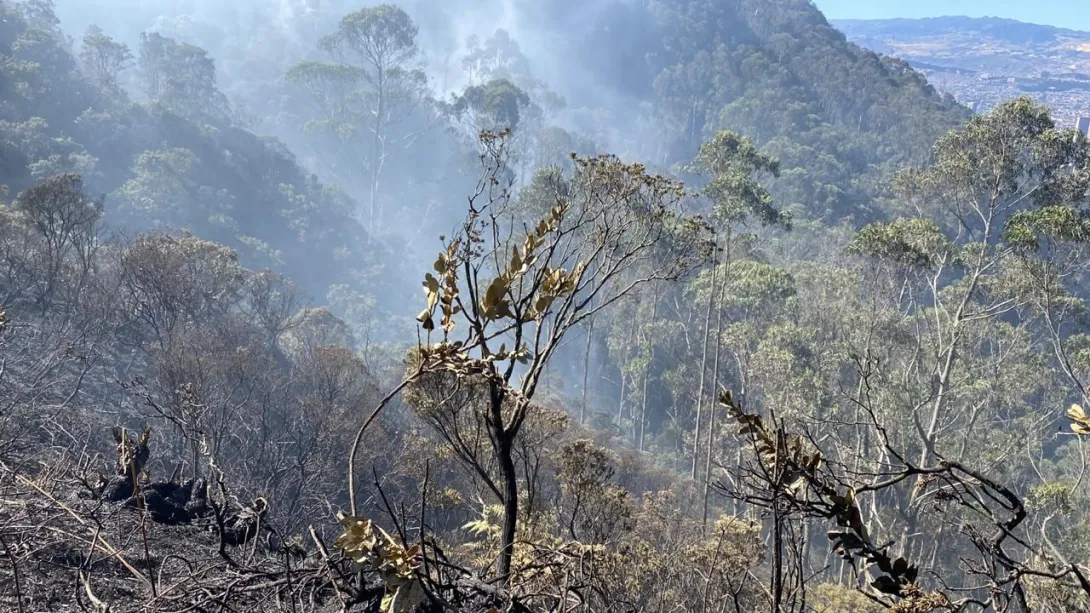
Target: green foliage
[
  {"x": 39, "y": 14},
  {"x": 1026, "y": 229},
  {"x": 916, "y": 243},
  {"x": 734, "y": 166},
  {"x": 371, "y": 85},
  {"x": 495, "y": 105},
  {"x": 174, "y": 163},
  {"x": 163, "y": 186},
  {"x": 1009, "y": 160},
  {"x": 833, "y": 598},
  {"x": 1078, "y": 347},
  {"x": 1052, "y": 497},
  {"x": 182, "y": 78},
  {"x": 383, "y": 36},
  {"x": 838, "y": 117},
  {"x": 749, "y": 290},
  {"x": 757, "y": 288},
  {"x": 333, "y": 88},
  {"x": 104, "y": 58},
  {"x": 500, "y": 58}
]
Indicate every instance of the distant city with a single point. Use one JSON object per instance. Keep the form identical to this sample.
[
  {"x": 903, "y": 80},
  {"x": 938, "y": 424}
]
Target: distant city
[
  {"x": 1068, "y": 97},
  {"x": 983, "y": 62}
]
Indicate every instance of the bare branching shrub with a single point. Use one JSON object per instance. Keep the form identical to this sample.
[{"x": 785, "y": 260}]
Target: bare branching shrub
[
  {"x": 65, "y": 221},
  {"x": 496, "y": 284},
  {"x": 595, "y": 511},
  {"x": 170, "y": 281}
]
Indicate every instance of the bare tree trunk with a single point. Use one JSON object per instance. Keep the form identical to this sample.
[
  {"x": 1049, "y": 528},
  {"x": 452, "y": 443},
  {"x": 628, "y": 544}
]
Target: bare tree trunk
[
  {"x": 935, "y": 548},
  {"x": 376, "y": 147},
  {"x": 510, "y": 505},
  {"x": 620, "y": 405},
  {"x": 777, "y": 553},
  {"x": 703, "y": 366},
  {"x": 504, "y": 441},
  {"x": 647, "y": 373},
  {"x": 941, "y": 388},
  {"x": 711, "y": 406},
  {"x": 586, "y": 371},
  {"x": 637, "y": 428}
]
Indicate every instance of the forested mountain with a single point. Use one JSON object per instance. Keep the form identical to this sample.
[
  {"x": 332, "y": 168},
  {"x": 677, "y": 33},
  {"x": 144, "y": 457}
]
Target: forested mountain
[
  {"x": 645, "y": 79},
  {"x": 173, "y": 154},
  {"x": 836, "y": 116},
  {"x": 633, "y": 306},
  {"x": 178, "y": 161}
]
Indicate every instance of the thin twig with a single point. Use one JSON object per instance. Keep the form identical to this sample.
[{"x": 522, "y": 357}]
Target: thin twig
[{"x": 15, "y": 572}]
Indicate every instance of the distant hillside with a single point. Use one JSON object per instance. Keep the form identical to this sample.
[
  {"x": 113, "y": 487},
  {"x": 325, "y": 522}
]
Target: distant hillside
[
  {"x": 169, "y": 165},
  {"x": 993, "y": 28},
  {"x": 988, "y": 60},
  {"x": 975, "y": 43},
  {"x": 836, "y": 114},
  {"x": 646, "y": 79}
]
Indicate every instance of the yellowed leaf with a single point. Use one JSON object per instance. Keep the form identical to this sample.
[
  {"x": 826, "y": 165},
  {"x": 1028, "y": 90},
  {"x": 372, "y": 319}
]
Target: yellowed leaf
[
  {"x": 516, "y": 260},
  {"x": 426, "y": 320}
]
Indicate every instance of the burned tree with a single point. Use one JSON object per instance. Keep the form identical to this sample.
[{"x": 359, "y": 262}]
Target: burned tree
[
  {"x": 504, "y": 293},
  {"x": 791, "y": 481},
  {"x": 132, "y": 454}
]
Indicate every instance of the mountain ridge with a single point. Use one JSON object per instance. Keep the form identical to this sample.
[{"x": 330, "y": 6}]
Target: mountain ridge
[
  {"x": 782, "y": 74},
  {"x": 951, "y": 21}
]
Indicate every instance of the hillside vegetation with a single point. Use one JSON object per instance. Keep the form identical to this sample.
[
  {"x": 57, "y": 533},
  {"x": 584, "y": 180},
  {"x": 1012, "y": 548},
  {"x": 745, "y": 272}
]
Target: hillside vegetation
[{"x": 824, "y": 349}]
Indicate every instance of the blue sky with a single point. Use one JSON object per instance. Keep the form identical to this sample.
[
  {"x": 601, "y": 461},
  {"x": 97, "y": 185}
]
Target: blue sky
[{"x": 1074, "y": 14}]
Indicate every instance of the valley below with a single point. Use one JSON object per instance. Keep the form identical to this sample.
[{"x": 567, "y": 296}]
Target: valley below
[{"x": 983, "y": 62}]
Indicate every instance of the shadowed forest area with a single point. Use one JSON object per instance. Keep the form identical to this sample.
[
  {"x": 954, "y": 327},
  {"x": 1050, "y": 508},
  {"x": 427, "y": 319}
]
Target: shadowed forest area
[{"x": 623, "y": 305}]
